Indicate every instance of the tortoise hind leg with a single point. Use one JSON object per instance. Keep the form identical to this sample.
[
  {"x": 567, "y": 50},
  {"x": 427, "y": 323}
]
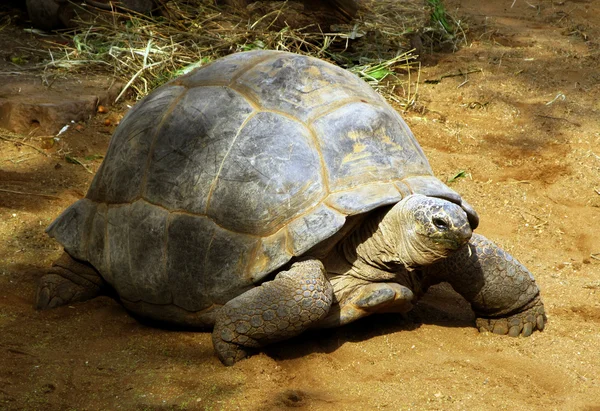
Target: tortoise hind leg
[
  {"x": 283, "y": 308},
  {"x": 68, "y": 281}
]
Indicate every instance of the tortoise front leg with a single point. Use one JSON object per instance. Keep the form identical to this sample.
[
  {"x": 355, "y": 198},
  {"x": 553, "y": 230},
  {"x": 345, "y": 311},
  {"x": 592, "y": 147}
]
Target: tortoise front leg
[
  {"x": 502, "y": 292},
  {"x": 275, "y": 311},
  {"x": 367, "y": 299}
]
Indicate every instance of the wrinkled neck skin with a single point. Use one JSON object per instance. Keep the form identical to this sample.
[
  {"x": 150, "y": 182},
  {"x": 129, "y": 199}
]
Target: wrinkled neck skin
[{"x": 378, "y": 250}]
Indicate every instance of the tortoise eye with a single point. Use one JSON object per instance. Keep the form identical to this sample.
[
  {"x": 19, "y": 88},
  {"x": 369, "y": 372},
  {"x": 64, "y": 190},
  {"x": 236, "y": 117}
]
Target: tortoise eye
[{"x": 440, "y": 223}]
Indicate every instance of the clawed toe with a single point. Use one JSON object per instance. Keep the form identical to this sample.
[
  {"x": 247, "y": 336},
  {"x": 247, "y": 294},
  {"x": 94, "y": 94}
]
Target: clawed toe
[
  {"x": 50, "y": 294},
  {"x": 55, "y": 290},
  {"x": 230, "y": 353},
  {"x": 523, "y": 323}
]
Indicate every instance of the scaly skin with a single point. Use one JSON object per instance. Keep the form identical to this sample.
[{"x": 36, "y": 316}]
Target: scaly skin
[
  {"x": 277, "y": 310},
  {"x": 371, "y": 270},
  {"x": 68, "y": 281},
  {"x": 502, "y": 292},
  {"x": 366, "y": 299}
]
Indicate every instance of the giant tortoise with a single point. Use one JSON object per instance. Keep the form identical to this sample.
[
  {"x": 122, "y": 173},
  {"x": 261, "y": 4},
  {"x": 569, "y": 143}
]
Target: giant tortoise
[{"x": 268, "y": 193}]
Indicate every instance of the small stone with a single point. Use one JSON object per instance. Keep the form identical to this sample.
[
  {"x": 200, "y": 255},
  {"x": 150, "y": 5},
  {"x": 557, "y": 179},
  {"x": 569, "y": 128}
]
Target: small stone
[{"x": 48, "y": 388}]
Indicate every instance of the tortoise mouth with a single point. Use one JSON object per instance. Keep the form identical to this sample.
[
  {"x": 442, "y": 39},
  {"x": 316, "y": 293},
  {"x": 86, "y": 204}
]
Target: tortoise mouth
[
  {"x": 456, "y": 230},
  {"x": 451, "y": 244},
  {"x": 455, "y": 239}
]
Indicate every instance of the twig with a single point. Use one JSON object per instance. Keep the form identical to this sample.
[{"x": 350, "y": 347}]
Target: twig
[
  {"x": 30, "y": 194},
  {"x": 20, "y": 159},
  {"x": 73, "y": 160},
  {"x": 533, "y": 215},
  {"x": 538, "y": 226},
  {"x": 11, "y": 140},
  {"x": 559, "y": 96},
  {"x": 559, "y": 118},
  {"x": 460, "y": 73},
  {"x": 140, "y": 71},
  {"x": 595, "y": 256},
  {"x": 15, "y": 351}
]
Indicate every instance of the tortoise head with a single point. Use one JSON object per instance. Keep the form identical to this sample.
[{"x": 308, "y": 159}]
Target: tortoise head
[{"x": 429, "y": 229}]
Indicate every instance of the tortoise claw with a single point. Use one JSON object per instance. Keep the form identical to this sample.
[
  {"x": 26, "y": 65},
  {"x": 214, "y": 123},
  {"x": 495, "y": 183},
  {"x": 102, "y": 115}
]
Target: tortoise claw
[
  {"x": 228, "y": 352},
  {"x": 523, "y": 323}
]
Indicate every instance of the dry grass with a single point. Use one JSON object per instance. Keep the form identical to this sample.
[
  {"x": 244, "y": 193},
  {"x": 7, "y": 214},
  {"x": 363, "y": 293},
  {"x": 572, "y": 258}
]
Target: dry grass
[{"x": 148, "y": 51}]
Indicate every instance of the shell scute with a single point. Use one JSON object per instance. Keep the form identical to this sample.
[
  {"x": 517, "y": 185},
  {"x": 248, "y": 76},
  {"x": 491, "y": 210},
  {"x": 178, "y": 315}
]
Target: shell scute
[
  {"x": 320, "y": 223},
  {"x": 300, "y": 86},
  {"x": 204, "y": 262},
  {"x": 221, "y": 72},
  {"x": 191, "y": 145},
  {"x": 272, "y": 174},
  {"x": 117, "y": 231},
  {"x": 97, "y": 252},
  {"x": 147, "y": 252},
  {"x": 364, "y": 198},
  {"x": 365, "y": 143},
  {"x": 119, "y": 179}
]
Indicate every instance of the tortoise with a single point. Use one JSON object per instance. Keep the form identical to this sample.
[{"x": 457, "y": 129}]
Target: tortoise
[{"x": 267, "y": 193}]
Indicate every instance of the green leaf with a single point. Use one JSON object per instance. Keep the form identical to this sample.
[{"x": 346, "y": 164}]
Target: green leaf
[
  {"x": 203, "y": 61},
  {"x": 93, "y": 157},
  {"x": 255, "y": 45},
  {"x": 18, "y": 60},
  {"x": 72, "y": 160},
  {"x": 438, "y": 15},
  {"x": 460, "y": 174},
  {"x": 379, "y": 73}
]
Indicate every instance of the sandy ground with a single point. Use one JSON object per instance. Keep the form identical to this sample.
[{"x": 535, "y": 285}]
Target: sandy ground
[{"x": 524, "y": 124}]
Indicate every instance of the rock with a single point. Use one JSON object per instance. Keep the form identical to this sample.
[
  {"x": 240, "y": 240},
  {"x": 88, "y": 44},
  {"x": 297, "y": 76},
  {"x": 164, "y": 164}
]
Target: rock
[{"x": 25, "y": 103}]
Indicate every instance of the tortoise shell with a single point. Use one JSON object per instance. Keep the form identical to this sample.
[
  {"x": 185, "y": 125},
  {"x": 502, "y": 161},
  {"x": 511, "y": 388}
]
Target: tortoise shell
[{"x": 220, "y": 177}]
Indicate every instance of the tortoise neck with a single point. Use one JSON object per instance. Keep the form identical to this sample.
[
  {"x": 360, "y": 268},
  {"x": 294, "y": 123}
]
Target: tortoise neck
[
  {"x": 369, "y": 254},
  {"x": 371, "y": 248}
]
